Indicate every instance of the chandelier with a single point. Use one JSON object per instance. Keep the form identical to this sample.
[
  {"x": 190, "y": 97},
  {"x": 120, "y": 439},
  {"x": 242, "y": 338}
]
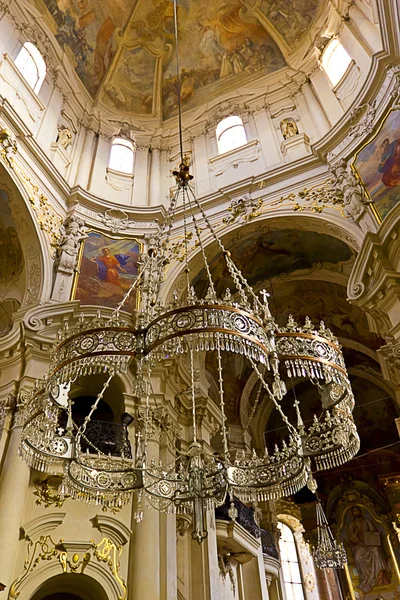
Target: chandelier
[
  {"x": 236, "y": 322},
  {"x": 328, "y": 554}
]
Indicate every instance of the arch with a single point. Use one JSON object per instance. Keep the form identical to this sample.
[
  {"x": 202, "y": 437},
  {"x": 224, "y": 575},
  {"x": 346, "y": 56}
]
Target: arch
[
  {"x": 97, "y": 582},
  {"x": 230, "y": 133},
  {"x": 37, "y": 272},
  {"x": 30, "y": 63},
  {"x": 334, "y": 226},
  {"x": 70, "y": 586}
]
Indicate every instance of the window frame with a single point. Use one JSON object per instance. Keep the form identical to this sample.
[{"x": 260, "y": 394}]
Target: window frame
[
  {"x": 330, "y": 49},
  {"x": 230, "y": 127},
  {"x": 124, "y": 143},
  {"x": 34, "y": 58},
  {"x": 289, "y": 585}
]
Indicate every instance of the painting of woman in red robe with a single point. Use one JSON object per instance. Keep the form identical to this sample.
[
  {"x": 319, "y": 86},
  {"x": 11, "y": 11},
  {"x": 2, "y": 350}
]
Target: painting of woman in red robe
[{"x": 389, "y": 164}]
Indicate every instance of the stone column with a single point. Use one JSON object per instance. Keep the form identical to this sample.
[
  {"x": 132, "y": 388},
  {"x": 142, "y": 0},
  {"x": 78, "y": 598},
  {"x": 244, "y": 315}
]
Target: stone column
[
  {"x": 85, "y": 160},
  {"x": 368, "y": 30},
  {"x": 144, "y": 560},
  {"x": 168, "y": 559},
  {"x": 320, "y": 120},
  {"x": 155, "y": 178},
  {"x": 14, "y": 483}
]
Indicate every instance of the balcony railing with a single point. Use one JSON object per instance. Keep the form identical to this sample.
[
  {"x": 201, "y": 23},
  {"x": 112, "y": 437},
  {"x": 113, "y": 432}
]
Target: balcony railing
[
  {"x": 109, "y": 438},
  {"x": 245, "y": 518}
]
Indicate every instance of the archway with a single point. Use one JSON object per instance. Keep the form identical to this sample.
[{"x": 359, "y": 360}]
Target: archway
[{"x": 70, "y": 586}]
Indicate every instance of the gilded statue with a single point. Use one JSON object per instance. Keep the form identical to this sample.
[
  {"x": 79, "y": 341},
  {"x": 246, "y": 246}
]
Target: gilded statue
[{"x": 289, "y": 128}]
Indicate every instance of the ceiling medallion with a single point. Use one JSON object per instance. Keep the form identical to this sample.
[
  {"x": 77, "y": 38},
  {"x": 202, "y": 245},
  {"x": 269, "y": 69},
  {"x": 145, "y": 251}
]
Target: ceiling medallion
[{"x": 238, "y": 322}]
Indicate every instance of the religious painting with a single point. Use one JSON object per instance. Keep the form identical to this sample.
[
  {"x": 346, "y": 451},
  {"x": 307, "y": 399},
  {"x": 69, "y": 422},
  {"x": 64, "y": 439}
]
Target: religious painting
[
  {"x": 370, "y": 563},
  {"x": 264, "y": 256},
  {"x": 131, "y": 86},
  {"x": 378, "y": 164},
  {"x": 231, "y": 45},
  {"x": 108, "y": 268},
  {"x": 291, "y": 18},
  {"x": 89, "y": 28},
  {"x": 11, "y": 255}
]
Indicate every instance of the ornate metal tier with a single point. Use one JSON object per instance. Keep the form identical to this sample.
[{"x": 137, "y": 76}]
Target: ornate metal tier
[
  {"x": 203, "y": 326},
  {"x": 333, "y": 440},
  {"x": 101, "y": 480},
  {"x": 103, "y": 348},
  {"x": 43, "y": 445},
  {"x": 307, "y": 352},
  {"x": 195, "y": 474},
  {"x": 271, "y": 476}
]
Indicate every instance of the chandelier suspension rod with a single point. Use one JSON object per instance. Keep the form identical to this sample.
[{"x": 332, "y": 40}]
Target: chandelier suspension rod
[{"x": 178, "y": 79}]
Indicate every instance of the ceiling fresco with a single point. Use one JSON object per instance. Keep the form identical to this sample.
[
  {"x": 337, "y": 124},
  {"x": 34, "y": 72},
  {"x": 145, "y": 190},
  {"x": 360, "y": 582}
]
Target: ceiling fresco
[
  {"x": 264, "y": 256},
  {"x": 124, "y": 51},
  {"x": 89, "y": 29}
]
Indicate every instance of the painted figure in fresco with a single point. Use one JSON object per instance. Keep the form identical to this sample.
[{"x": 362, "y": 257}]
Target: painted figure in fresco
[
  {"x": 110, "y": 266},
  {"x": 389, "y": 164},
  {"x": 369, "y": 557}
]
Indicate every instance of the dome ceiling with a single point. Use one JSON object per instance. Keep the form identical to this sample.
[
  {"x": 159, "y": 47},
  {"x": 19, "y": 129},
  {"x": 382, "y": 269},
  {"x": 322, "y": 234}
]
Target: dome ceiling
[{"x": 124, "y": 51}]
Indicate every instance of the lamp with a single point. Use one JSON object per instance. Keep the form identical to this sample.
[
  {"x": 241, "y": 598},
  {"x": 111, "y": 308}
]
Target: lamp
[{"x": 238, "y": 321}]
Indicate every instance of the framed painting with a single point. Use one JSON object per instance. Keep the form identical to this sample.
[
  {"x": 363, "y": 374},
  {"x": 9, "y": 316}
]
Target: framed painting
[
  {"x": 107, "y": 269},
  {"x": 371, "y": 570},
  {"x": 378, "y": 165}
]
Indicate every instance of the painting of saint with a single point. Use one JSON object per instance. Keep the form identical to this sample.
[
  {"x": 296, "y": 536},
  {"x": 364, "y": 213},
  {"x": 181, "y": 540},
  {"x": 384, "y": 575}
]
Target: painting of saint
[
  {"x": 378, "y": 165},
  {"x": 369, "y": 565},
  {"x": 108, "y": 267},
  {"x": 11, "y": 255}
]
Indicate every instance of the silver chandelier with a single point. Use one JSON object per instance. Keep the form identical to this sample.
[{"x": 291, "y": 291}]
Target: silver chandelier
[{"x": 239, "y": 322}]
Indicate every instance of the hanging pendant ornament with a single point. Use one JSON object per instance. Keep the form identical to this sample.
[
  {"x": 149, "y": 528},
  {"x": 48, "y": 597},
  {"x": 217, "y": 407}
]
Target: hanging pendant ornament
[{"x": 328, "y": 554}]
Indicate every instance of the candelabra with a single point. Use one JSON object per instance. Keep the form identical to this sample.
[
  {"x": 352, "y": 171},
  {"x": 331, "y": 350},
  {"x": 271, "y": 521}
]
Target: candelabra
[
  {"x": 328, "y": 554},
  {"x": 238, "y": 322}
]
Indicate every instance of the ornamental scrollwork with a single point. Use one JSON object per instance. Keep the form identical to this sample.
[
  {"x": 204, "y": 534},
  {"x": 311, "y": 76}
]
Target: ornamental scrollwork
[
  {"x": 47, "y": 494},
  {"x": 46, "y": 549},
  {"x": 244, "y": 209},
  {"x": 107, "y": 552},
  {"x": 316, "y": 198}
]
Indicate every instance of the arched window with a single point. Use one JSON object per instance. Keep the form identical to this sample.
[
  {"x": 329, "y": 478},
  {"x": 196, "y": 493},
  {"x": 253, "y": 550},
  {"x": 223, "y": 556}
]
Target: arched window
[
  {"x": 31, "y": 65},
  {"x": 230, "y": 134},
  {"x": 290, "y": 564},
  {"x": 335, "y": 61},
  {"x": 121, "y": 156}
]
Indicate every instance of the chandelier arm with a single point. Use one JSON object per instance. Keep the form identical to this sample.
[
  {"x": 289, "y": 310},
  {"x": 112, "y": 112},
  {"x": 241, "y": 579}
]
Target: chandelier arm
[
  {"x": 187, "y": 270},
  {"x": 222, "y": 401},
  {"x": 178, "y": 78},
  {"x": 86, "y": 420},
  {"x": 233, "y": 269},
  {"x": 119, "y": 306},
  {"x": 191, "y": 358},
  {"x": 271, "y": 395},
  {"x": 254, "y": 408},
  {"x": 206, "y": 265},
  {"x": 147, "y": 412}
]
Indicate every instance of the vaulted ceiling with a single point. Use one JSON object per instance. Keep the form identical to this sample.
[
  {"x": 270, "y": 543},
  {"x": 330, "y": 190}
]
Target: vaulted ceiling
[{"x": 124, "y": 50}]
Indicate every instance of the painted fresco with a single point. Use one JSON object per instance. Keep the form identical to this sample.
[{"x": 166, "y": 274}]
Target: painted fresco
[
  {"x": 89, "y": 28},
  {"x": 369, "y": 559},
  {"x": 132, "y": 84},
  {"x": 11, "y": 255},
  {"x": 108, "y": 267},
  {"x": 230, "y": 44},
  {"x": 378, "y": 164},
  {"x": 264, "y": 256},
  {"x": 291, "y": 18}
]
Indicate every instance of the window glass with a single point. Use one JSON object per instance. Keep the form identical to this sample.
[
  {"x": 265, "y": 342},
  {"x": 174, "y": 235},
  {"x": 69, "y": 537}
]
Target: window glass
[
  {"x": 31, "y": 65},
  {"x": 230, "y": 134},
  {"x": 290, "y": 564},
  {"x": 121, "y": 156},
  {"x": 335, "y": 61}
]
